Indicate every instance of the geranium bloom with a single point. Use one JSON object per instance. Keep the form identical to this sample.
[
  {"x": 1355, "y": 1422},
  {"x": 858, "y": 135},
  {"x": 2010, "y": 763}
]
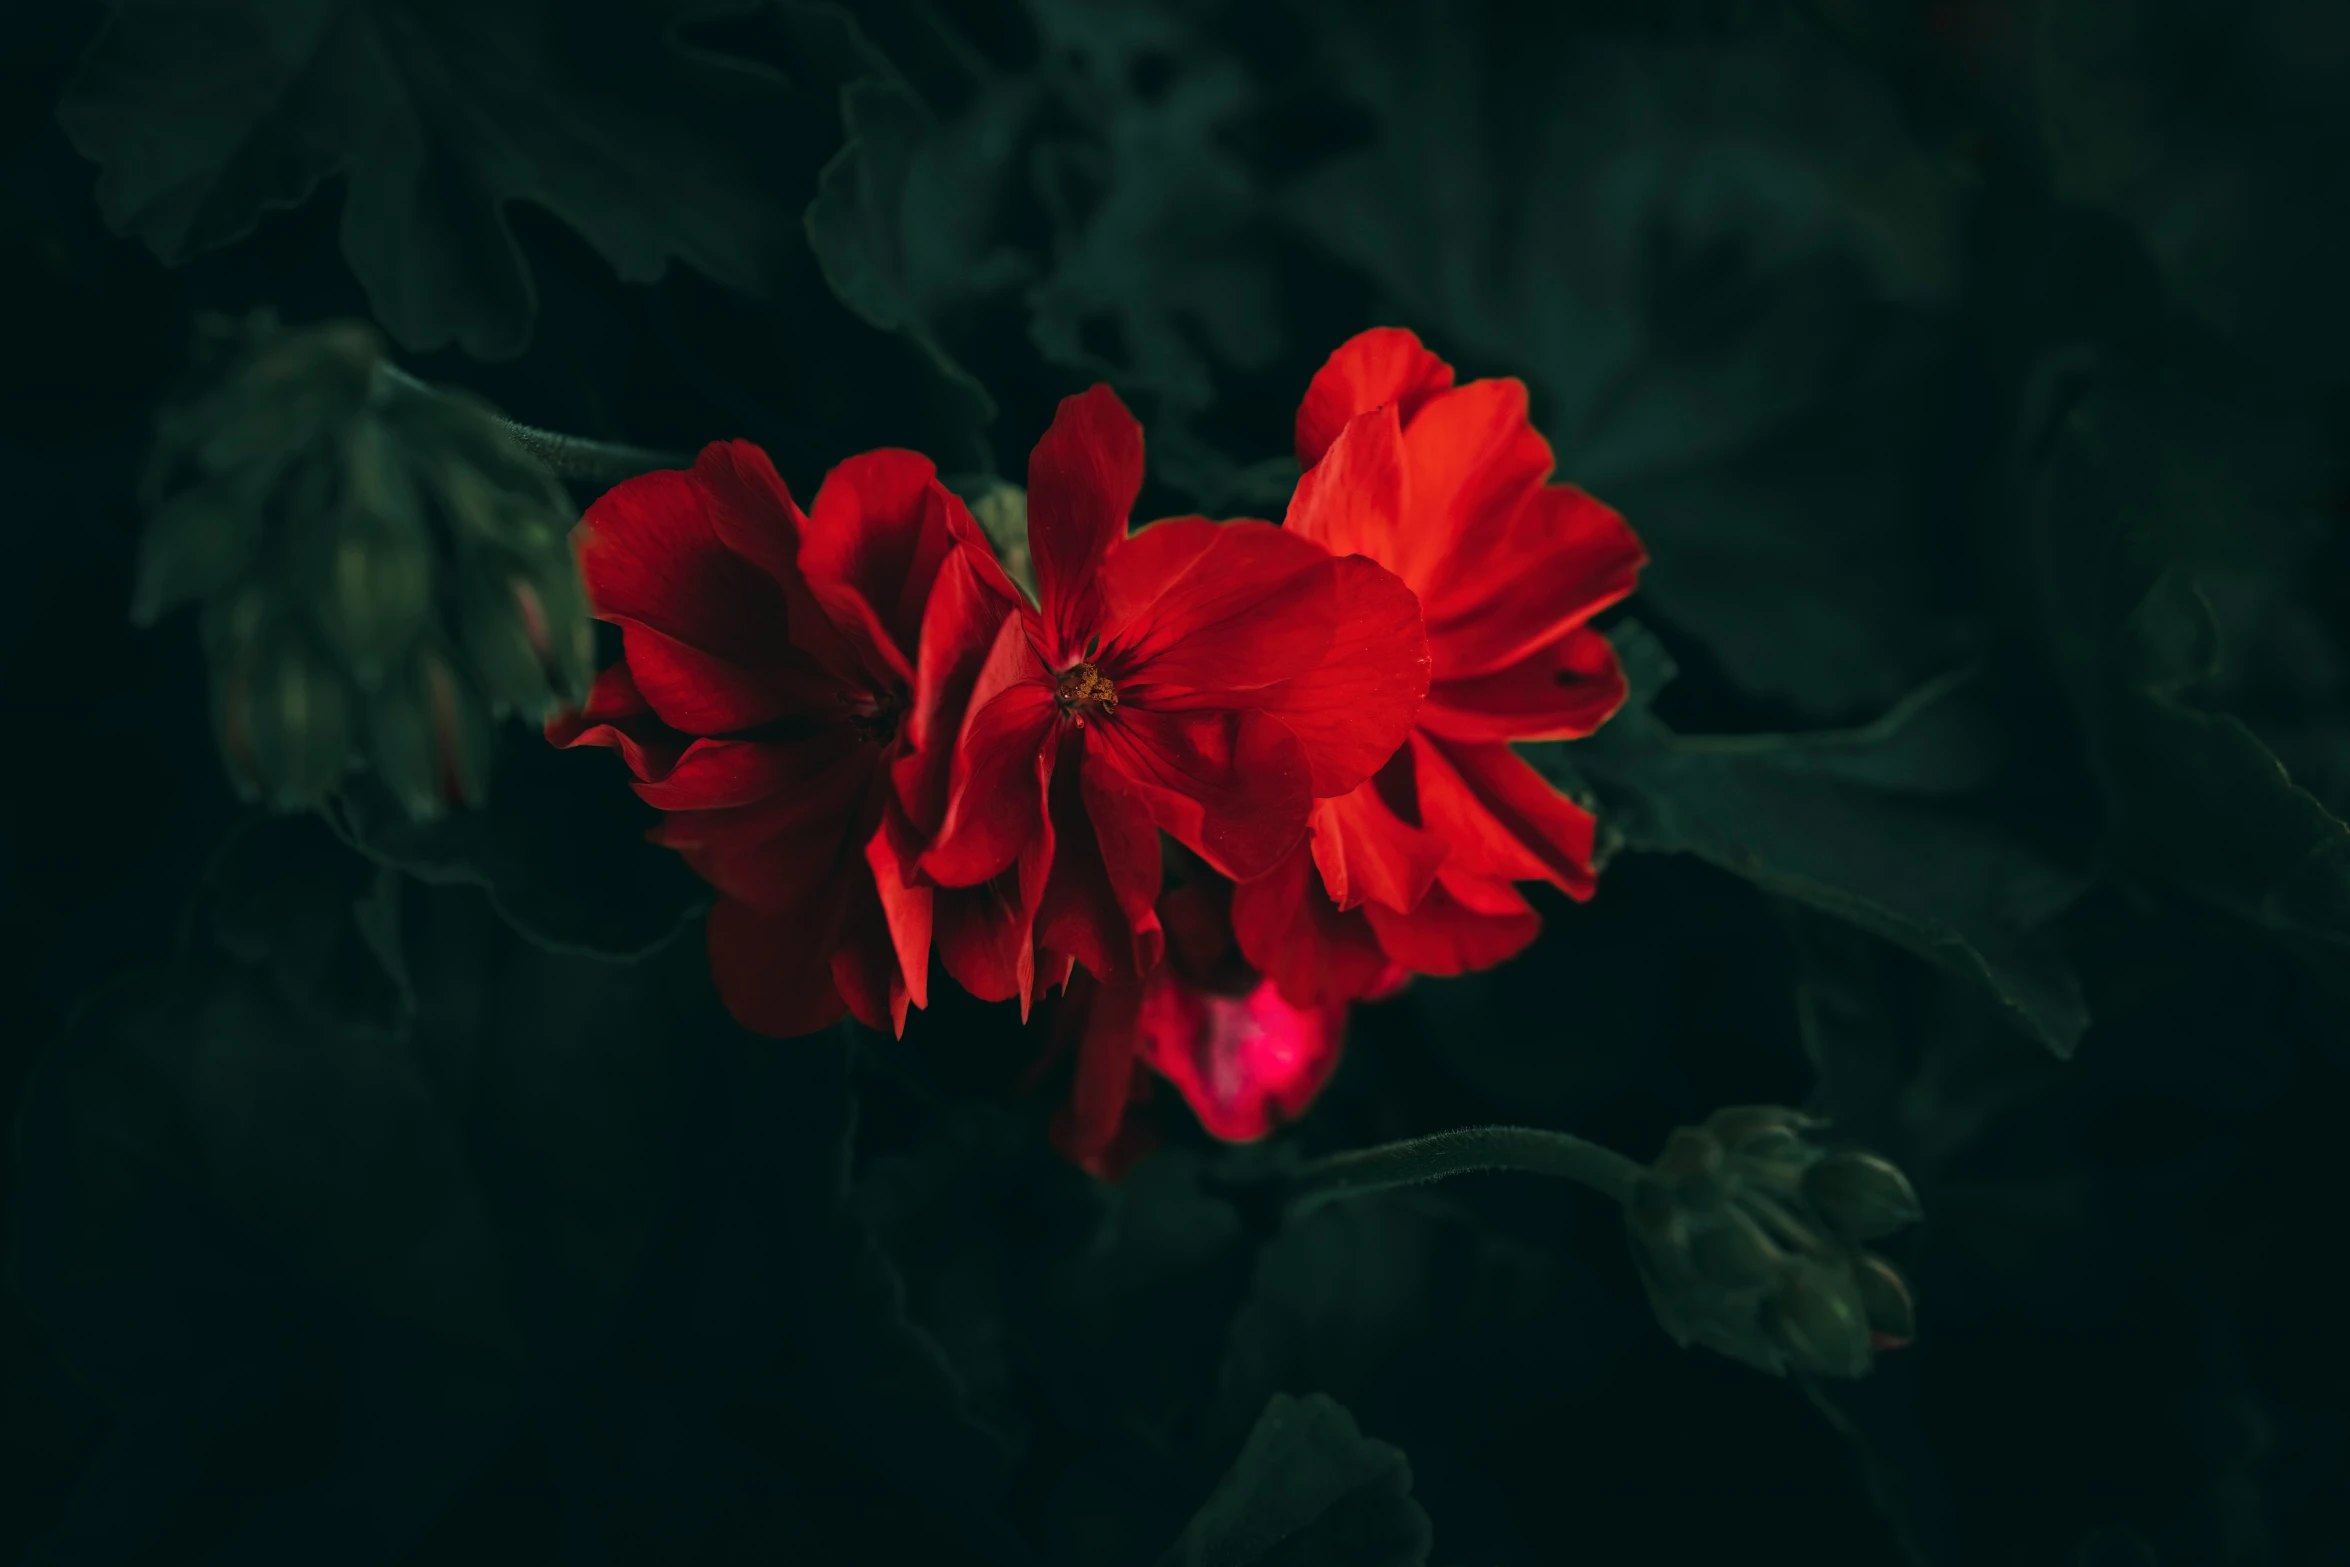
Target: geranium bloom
[
  {"x": 789, "y": 694},
  {"x": 1204, "y": 679},
  {"x": 1447, "y": 486}
]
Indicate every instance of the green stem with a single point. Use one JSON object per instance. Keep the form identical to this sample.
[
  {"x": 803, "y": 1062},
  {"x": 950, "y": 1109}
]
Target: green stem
[
  {"x": 566, "y": 456},
  {"x": 1420, "y": 1159}
]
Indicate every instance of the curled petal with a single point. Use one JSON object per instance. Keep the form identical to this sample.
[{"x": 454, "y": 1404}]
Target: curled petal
[
  {"x": 1385, "y": 366},
  {"x": 1561, "y": 692},
  {"x": 618, "y": 717},
  {"x": 1082, "y": 481}
]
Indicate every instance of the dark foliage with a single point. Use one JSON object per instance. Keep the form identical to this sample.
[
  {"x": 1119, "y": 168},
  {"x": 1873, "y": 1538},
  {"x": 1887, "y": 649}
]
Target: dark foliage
[{"x": 1974, "y": 371}]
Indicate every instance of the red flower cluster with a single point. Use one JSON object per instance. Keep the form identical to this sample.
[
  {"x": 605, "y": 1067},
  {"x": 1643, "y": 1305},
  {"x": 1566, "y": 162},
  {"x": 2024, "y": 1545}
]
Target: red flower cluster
[{"x": 874, "y": 746}]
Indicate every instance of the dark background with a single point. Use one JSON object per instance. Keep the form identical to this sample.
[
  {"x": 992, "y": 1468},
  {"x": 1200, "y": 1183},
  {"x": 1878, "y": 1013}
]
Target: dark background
[{"x": 1974, "y": 372}]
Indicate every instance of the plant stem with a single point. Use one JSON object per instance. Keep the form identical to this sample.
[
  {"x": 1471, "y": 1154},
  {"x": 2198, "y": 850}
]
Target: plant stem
[
  {"x": 1420, "y": 1159},
  {"x": 566, "y": 456}
]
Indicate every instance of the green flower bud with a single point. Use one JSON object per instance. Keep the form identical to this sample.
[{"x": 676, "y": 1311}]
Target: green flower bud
[
  {"x": 1745, "y": 1234},
  {"x": 430, "y": 735},
  {"x": 281, "y": 710},
  {"x": 371, "y": 553},
  {"x": 1864, "y": 1197}
]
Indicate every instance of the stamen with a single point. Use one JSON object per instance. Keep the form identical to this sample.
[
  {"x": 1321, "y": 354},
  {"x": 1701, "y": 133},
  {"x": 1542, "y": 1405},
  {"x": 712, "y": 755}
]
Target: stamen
[{"x": 1085, "y": 687}]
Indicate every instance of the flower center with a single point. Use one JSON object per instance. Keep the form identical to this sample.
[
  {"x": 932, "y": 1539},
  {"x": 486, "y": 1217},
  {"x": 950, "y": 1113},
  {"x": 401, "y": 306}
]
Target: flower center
[
  {"x": 1084, "y": 688},
  {"x": 875, "y": 718}
]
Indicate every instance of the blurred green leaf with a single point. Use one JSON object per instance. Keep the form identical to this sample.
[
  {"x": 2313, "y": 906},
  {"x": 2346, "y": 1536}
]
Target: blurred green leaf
[
  {"x": 1308, "y": 1490},
  {"x": 2219, "y": 133},
  {"x": 437, "y": 115},
  {"x": 1719, "y": 258},
  {"x": 904, "y": 227},
  {"x": 1865, "y": 824},
  {"x": 2133, "y": 480}
]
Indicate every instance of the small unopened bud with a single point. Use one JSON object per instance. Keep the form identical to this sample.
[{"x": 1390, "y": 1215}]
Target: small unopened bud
[
  {"x": 1864, "y": 1197},
  {"x": 1740, "y": 1253},
  {"x": 430, "y": 736},
  {"x": 1002, "y": 514},
  {"x": 1884, "y": 1296},
  {"x": 283, "y": 716}
]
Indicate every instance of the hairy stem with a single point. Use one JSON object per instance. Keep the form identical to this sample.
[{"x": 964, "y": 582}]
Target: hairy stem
[
  {"x": 1420, "y": 1159},
  {"x": 566, "y": 456}
]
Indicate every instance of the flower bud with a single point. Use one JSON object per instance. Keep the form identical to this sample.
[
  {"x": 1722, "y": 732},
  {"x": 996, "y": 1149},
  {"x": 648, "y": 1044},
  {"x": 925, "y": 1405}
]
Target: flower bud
[
  {"x": 430, "y": 736},
  {"x": 1740, "y": 1253},
  {"x": 1864, "y": 1197},
  {"x": 282, "y": 713},
  {"x": 301, "y": 481}
]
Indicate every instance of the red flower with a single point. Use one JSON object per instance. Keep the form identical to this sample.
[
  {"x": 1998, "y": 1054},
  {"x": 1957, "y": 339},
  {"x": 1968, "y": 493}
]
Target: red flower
[
  {"x": 789, "y": 693},
  {"x": 1447, "y": 486},
  {"x": 1204, "y": 679}
]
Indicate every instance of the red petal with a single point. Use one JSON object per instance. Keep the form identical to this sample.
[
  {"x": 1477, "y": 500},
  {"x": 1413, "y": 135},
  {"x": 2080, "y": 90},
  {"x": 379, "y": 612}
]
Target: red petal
[
  {"x": 771, "y": 977},
  {"x": 866, "y": 972},
  {"x": 1244, "y": 1064},
  {"x": 871, "y": 550},
  {"x": 1354, "y": 501},
  {"x": 1233, "y": 787},
  {"x": 709, "y": 629},
  {"x": 1353, "y": 709},
  {"x": 1082, "y": 481},
  {"x": 985, "y": 939},
  {"x": 1385, "y": 365},
  {"x": 1502, "y": 818},
  {"x": 1098, "y": 905},
  {"x": 993, "y": 801},
  {"x": 618, "y": 716},
  {"x": 1212, "y": 608},
  {"x": 752, "y": 513},
  {"x": 711, "y": 775},
  {"x": 1288, "y": 928},
  {"x": 1091, "y": 1132},
  {"x": 1523, "y": 582},
  {"x": 960, "y": 627},
  {"x": 1561, "y": 692},
  {"x": 1369, "y": 853},
  {"x": 905, "y": 907},
  {"x": 794, "y": 852},
  {"x": 1445, "y": 935}
]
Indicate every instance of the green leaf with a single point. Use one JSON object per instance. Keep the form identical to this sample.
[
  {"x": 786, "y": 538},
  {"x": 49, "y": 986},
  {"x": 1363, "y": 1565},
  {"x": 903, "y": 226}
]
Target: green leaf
[
  {"x": 1864, "y": 824},
  {"x": 2239, "y": 195},
  {"x": 903, "y": 225},
  {"x": 1308, "y": 1490},
  {"x": 559, "y": 847},
  {"x": 1720, "y": 263},
  {"x": 2135, "y": 479},
  {"x": 437, "y": 115}
]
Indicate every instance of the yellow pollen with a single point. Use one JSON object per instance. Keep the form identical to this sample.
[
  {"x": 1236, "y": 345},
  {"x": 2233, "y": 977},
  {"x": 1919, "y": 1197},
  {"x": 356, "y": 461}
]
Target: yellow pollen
[{"x": 1086, "y": 686}]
